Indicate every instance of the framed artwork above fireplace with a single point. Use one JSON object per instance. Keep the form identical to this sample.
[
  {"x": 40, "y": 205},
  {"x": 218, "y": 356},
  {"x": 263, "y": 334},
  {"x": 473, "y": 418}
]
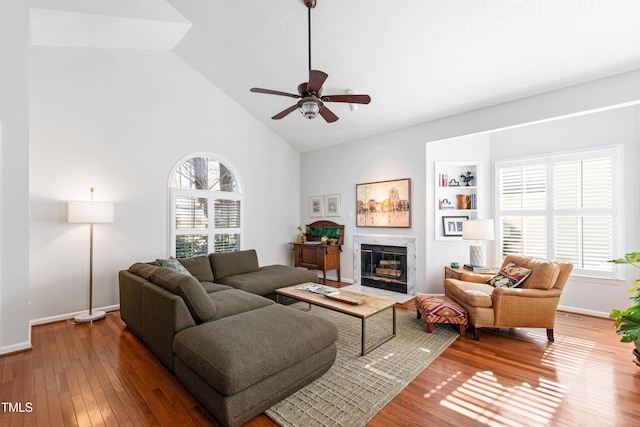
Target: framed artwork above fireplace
[{"x": 384, "y": 204}]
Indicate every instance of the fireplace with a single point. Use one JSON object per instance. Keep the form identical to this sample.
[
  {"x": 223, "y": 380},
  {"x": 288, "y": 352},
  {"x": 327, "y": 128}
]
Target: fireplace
[
  {"x": 384, "y": 267},
  {"x": 407, "y": 262}
]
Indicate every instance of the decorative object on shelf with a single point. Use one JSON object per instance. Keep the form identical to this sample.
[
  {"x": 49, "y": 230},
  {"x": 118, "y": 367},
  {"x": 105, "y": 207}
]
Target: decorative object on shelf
[
  {"x": 303, "y": 235},
  {"x": 464, "y": 201},
  {"x": 449, "y": 186},
  {"x": 332, "y": 204},
  {"x": 477, "y": 230},
  {"x": 333, "y": 241},
  {"x": 316, "y": 209},
  {"x": 384, "y": 204},
  {"x": 90, "y": 213},
  {"x": 467, "y": 178},
  {"x": 628, "y": 320},
  {"x": 445, "y": 204},
  {"x": 452, "y": 225},
  {"x": 455, "y": 264},
  {"x": 324, "y": 240}
]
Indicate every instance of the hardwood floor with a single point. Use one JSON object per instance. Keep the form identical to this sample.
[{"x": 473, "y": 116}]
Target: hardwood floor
[{"x": 100, "y": 374}]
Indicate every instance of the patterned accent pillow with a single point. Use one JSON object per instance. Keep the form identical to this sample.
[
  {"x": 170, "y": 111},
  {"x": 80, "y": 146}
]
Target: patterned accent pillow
[
  {"x": 510, "y": 276},
  {"x": 173, "y": 263}
]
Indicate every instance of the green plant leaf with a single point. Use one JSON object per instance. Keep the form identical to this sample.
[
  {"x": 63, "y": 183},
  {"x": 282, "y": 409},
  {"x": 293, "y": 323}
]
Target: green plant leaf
[
  {"x": 627, "y": 321},
  {"x": 630, "y": 258}
]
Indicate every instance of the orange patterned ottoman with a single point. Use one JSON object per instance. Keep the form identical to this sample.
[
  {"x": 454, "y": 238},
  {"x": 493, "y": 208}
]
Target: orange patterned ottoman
[{"x": 441, "y": 309}]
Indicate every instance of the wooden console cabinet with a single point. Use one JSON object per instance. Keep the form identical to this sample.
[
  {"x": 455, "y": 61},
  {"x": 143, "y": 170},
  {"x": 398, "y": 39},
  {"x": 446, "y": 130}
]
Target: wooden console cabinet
[{"x": 318, "y": 257}]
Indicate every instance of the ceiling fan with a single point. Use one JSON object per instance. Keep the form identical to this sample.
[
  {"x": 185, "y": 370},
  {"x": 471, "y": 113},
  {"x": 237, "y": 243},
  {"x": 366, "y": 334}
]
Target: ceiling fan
[{"x": 310, "y": 93}]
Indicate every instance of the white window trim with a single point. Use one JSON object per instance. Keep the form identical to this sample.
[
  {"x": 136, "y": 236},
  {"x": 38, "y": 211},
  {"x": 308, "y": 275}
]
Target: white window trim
[
  {"x": 616, "y": 154},
  {"x": 173, "y": 192}
]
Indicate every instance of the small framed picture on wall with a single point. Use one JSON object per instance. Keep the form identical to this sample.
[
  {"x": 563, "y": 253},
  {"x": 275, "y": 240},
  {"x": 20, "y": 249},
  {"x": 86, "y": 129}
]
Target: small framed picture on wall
[
  {"x": 332, "y": 205},
  {"x": 315, "y": 206}
]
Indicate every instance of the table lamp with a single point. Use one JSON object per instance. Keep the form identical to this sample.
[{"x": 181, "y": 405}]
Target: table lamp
[
  {"x": 90, "y": 212},
  {"x": 477, "y": 230}
]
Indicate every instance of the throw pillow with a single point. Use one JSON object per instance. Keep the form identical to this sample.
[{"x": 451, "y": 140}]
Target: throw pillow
[
  {"x": 510, "y": 276},
  {"x": 173, "y": 263}
]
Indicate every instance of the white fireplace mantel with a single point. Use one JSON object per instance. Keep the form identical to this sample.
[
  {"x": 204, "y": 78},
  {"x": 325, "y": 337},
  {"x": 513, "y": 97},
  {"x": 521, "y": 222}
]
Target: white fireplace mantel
[{"x": 390, "y": 240}]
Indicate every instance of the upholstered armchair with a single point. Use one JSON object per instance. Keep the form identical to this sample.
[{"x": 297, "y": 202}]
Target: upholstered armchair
[{"x": 532, "y": 304}]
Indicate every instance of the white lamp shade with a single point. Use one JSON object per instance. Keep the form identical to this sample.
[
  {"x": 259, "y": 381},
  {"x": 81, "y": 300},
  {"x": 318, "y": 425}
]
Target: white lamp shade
[
  {"x": 477, "y": 229},
  {"x": 90, "y": 212}
]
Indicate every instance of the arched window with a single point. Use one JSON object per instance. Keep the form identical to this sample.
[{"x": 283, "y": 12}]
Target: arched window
[{"x": 206, "y": 208}]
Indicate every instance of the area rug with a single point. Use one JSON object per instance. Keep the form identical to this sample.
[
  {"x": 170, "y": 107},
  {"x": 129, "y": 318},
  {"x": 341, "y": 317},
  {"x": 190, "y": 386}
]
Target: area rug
[{"x": 357, "y": 387}]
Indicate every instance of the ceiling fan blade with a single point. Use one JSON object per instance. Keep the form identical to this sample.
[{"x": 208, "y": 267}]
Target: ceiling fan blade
[
  {"x": 328, "y": 114},
  {"x": 286, "y": 112},
  {"x": 316, "y": 80},
  {"x": 351, "y": 99},
  {"x": 273, "y": 92}
]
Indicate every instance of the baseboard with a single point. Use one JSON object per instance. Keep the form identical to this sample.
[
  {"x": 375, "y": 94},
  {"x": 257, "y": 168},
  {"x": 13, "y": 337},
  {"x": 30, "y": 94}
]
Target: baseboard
[
  {"x": 67, "y": 316},
  {"x": 15, "y": 348},
  {"x": 334, "y": 278},
  {"x": 583, "y": 311}
]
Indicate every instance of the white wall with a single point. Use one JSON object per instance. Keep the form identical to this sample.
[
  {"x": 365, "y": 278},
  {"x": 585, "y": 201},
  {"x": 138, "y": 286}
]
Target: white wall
[
  {"x": 119, "y": 120},
  {"x": 402, "y": 154},
  {"x": 14, "y": 178}
]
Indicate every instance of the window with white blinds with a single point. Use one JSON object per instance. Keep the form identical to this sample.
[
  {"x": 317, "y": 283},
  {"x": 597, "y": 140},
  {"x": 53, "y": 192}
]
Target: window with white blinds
[
  {"x": 206, "y": 208},
  {"x": 561, "y": 207}
]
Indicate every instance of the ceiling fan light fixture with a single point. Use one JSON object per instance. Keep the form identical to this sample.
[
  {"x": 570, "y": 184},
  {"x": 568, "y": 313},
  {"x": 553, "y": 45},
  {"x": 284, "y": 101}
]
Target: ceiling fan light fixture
[{"x": 310, "y": 109}]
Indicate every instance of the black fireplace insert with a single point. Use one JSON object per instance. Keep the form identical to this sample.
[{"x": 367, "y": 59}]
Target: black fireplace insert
[{"x": 384, "y": 267}]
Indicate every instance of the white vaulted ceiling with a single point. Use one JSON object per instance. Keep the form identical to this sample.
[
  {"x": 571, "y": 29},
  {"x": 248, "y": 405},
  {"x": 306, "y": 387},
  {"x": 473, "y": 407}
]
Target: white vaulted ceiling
[{"x": 419, "y": 60}]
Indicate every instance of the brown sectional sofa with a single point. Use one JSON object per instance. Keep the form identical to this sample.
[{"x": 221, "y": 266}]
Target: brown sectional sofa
[{"x": 239, "y": 353}]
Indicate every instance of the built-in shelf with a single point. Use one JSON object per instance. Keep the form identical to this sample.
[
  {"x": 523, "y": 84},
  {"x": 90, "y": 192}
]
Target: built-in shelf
[{"x": 454, "y": 199}]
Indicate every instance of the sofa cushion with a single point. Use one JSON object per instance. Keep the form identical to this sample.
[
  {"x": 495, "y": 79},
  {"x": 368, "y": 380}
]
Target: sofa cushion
[
  {"x": 173, "y": 263},
  {"x": 199, "y": 267},
  {"x": 210, "y": 287},
  {"x": 234, "y": 301},
  {"x": 144, "y": 270},
  {"x": 473, "y": 294},
  {"x": 231, "y": 263},
  {"x": 236, "y": 352},
  {"x": 198, "y": 302},
  {"x": 267, "y": 279},
  {"x": 510, "y": 276}
]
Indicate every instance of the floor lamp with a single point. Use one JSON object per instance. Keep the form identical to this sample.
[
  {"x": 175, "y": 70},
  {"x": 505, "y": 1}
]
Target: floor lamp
[
  {"x": 90, "y": 213},
  {"x": 478, "y": 230}
]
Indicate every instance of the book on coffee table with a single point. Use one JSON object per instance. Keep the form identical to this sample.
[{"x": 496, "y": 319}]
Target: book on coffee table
[{"x": 318, "y": 289}]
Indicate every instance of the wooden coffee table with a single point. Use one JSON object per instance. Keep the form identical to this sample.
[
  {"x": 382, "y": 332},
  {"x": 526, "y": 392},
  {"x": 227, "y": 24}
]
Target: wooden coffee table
[{"x": 370, "y": 307}]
